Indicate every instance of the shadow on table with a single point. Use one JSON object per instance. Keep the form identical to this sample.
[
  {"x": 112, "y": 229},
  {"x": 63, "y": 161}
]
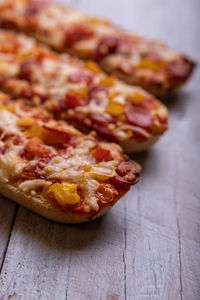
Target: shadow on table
[
  {"x": 35, "y": 230},
  {"x": 178, "y": 103}
]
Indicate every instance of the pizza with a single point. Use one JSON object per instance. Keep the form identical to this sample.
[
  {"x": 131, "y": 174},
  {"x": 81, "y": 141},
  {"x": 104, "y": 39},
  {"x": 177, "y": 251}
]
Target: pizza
[
  {"x": 56, "y": 171},
  {"x": 132, "y": 58},
  {"x": 79, "y": 92}
]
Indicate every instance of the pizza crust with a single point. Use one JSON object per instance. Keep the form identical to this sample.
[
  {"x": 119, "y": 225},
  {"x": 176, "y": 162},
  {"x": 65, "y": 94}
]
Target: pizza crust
[
  {"x": 131, "y": 146},
  {"x": 44, "y": 209}
]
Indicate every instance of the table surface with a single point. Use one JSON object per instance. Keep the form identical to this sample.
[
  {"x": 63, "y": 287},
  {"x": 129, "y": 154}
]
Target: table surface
[{"x": 148, "y": 246}]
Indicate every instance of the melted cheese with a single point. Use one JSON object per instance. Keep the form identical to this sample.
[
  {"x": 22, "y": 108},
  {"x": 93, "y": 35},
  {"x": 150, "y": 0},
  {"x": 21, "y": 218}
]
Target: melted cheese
[
  {"x": 90, "y": 188},
  {"x": 74, "y": 168},
  {"x": 73, "y": 165},
  {"x": 32, "y": 185},
  {"x": 76, "y": 165},
  {"x": 10, "y": 163},
  {"x": 8, "y": 122}
]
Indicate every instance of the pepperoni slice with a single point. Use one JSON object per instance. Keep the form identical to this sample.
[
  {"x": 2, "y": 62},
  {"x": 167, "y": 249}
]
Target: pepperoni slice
[
  {"x": 99, "y": 119},
  {"x": 95, "y": 90},
  {"x": 73, "y": 100},
  {"x": 106, "y": 45},
  {"x": 75, "y": 34},
  {"x": 126, "y": 167},
  {"x": 101, "y": 154},
  {"x": 106, "y": 133},
  {"x": 127, "y": 174},
  {"x": 106, "y": 193},
  {"x": 34, "y": 6},
  {"x": 148, "y": 103},
  {"x": 118, "y": 180},
  {"x": 81, "y": 77},
  {"x": 138, "y": 116},
  {"x": 180, "y": 70}
]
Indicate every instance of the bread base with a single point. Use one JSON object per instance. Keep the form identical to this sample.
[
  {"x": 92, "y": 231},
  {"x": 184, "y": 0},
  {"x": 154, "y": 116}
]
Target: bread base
[
  {"x": 44, "y": 209},
  {"x": 130, "y": 146}
]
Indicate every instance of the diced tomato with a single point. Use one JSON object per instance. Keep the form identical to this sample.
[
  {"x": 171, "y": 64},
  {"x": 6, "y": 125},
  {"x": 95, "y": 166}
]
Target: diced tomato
[
  {"x": 79, "y": 208},
  {"x": 34, "y": 6},
  {"x": 35, "y": 147},
  {"x": 138, "y": 116},
  {"x": 106, "y": 45},
  {"x": 95, "y": 90},
  {"x": 76, "y": 33},
  {"x": 106, "y": 193},
  {"x": 54, "y": 136},
  {"x": 11, "y": 45},
  {"x": 101, "y": 154},
  {"x": 32, "y": 172},
  {"x": 73, "y": 100},
  {"x": 81, "y": 77},
  {"x": 126, "y": 167}
]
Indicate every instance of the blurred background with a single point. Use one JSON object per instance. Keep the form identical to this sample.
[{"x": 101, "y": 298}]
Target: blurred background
[{"x": 168, "y": 20}]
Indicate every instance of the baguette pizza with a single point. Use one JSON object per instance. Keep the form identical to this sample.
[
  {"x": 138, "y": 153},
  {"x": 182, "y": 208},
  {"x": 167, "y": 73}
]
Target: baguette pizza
[
  {"x": 56, "y": 171},
  {"x": 130, "y": 57},
  {"x": 80, "y": 93}
]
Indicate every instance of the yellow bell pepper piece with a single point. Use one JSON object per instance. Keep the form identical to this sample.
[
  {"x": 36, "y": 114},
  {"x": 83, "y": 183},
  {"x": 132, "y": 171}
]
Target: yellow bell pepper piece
[
  {"x": 65, "y": 193},
  {"x": 102, "y": 172},
  {"x": 37, "y": 130},
  {"x": 114, "y": 108},
  {"x": 92, "y": 66},
  {"x": 107, "y": 81},
  {"x": 25, "y": 122},
  {"x": 148, "y": 64},
  {"x": 96, "y": 21},
  {"x": 135, "y": 98},
  {"x": 81, "y": 92},
  {"x": 6, "y": 108}
]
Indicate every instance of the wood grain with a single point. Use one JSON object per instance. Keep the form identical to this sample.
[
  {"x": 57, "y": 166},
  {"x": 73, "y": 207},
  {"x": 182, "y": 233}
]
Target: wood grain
[
  {"x": 7, "y": 218},
  {"x": 148, "y": 246}
]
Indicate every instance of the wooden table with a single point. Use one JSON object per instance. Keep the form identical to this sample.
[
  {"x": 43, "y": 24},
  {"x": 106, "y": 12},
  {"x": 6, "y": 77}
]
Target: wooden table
[{"x": 148, "y": 246}]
